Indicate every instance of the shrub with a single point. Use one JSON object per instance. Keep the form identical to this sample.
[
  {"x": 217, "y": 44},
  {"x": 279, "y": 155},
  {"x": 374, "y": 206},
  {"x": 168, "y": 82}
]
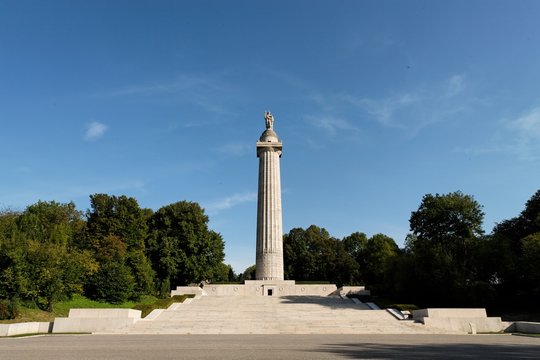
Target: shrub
[
  {"x": 9, "y": 309},
  {"x": 165, "y": 289},
  {"x": 112, "y": 283}
]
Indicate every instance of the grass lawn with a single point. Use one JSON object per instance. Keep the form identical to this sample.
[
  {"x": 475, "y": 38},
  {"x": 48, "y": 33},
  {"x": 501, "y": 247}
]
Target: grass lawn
[{"x": 61, "y": 309}]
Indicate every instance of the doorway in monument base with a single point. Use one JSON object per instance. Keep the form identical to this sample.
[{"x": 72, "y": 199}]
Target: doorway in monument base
[{"x": 269, "y": 290}]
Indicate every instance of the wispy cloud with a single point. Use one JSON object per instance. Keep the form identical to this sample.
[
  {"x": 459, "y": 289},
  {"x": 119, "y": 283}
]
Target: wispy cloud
[
  {"x": 216, "y": 206},
  {"x": 94, "y": 131},
  {"x": 526, "y": 129},
  {"x": 413, "y": 110},
  {"x": 518, "y": 136},
  {"x": 384, "y": 110},
  {"x": 331, "y": 124},
  {"x": 235, "y": 149},
  {"x": 456, "y": 84},
  {"x": 210, "y": 92},
  {"x": 408, "y": 111},
  {"x": 527, "y": 125}
]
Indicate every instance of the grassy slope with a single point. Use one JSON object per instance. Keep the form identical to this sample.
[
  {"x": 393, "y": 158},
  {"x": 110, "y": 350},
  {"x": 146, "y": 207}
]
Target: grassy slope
[{"x": 61, "y": 309}]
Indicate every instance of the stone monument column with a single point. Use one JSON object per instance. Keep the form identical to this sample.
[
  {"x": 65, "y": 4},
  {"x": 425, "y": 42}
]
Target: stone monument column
[{"x": 269, "y": 219}]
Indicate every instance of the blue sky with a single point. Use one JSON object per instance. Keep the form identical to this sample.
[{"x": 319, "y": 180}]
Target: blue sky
[{"x": 377, "y": 103}]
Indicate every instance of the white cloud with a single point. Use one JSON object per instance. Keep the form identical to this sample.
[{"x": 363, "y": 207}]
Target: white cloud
[
  {"x": 519, "y": 136},
  {"x": 94, "y": 131},
  {"x": 408, "y": 111},
  {"x": 411, "y": 111},
  {"x": 384, "y": 110},
  {"x": 330, "y": 124},
  {"x": 207, "y": 91},
  {"x": 527, "y": 125},
  {"x": 228, "y": 202},
  {"x": 526, "y": 129},
  {"x": 456, "y": 84}
]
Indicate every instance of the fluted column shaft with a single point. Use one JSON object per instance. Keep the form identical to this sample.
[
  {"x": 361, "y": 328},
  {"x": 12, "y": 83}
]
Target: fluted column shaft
[{"x": 269, "y": 214}]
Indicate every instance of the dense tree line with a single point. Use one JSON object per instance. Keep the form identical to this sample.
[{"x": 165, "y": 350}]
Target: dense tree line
[
  {"x": 117, "y": 250},
  {"x": 113, "y": 252},
  {"x": 447, "y": 259},
  {"x": 313, "y": 255}
]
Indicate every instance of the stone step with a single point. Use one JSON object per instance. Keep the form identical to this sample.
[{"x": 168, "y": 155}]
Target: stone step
[{"x": 272, "y": 315}]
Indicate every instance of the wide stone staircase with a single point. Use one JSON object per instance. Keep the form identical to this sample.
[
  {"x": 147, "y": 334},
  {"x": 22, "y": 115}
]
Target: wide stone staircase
[{"x": 271, "y": 315}]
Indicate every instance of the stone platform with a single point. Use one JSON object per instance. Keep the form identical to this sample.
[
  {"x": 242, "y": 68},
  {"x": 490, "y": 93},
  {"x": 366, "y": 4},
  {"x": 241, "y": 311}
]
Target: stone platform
[
  {"x": 270, "y": 288},
  {"x": 272, "y": 315},
  {"x": 460, "y": 320},
  {"x": 263, "y": 288}
]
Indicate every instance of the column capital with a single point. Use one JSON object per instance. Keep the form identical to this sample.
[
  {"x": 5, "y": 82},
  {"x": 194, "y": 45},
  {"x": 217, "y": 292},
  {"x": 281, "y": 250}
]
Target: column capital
[{"x": 269, "y": 146}]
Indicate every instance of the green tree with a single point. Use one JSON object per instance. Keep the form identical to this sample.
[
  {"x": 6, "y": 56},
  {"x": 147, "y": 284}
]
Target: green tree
[
  {"x": 8, "y": 225},
  {"x": 142, "y": 272},
  {"x": 531, "y": 260},
  {"x": 511, "y": 248},
  {"x": 313, "y": 255},
  {"x": 447, "y": 219},
  {"x": 120, "y": 216},
  {"x": 446, "y": 232},
  {"x": 248, "y": 274},
  {"x": 182, "y": 248},
  {"x": 38, "y": 260},
  {"x": 380, "y": 253},
  {"x": 224, "y": 273},
  {"x": 517, "y": 228},
  {"x": 52, "y": 222},
  {"x": 45, "y": 272},
  {"x": 304, "y": 253},
  {"x": 116, "y": 232},
  {"x": 113, "y": 283},
  {"x": 345, "y": 268},
  {"x": 355, "y": 245},
  {"x": 14, "y": 282}
]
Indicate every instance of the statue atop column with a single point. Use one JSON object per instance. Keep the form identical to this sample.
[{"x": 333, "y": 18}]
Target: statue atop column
[{"x": 269, "y": 120}]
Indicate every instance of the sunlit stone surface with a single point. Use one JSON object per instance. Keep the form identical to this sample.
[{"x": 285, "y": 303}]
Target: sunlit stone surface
[{"x": 269, "y": 216}]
